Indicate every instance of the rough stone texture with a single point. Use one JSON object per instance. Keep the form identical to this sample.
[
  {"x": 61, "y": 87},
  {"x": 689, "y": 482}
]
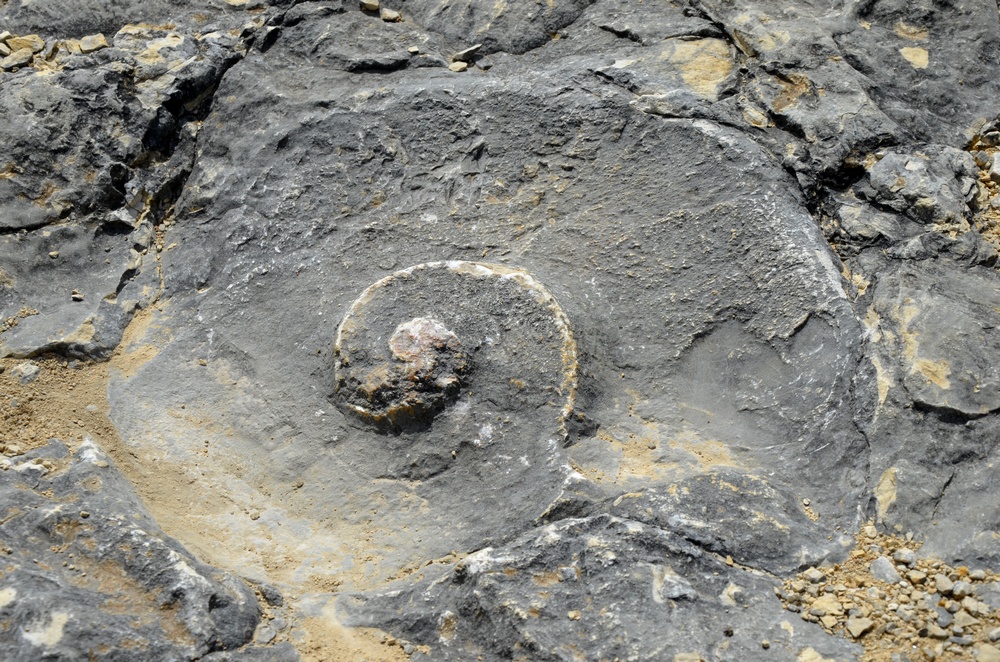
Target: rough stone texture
[
  {"x": 97, "y": 146},
  {"x": 759, "y": 221},
  {"x": 87, "y": 572},
  {"x": 595, "y": 585}
]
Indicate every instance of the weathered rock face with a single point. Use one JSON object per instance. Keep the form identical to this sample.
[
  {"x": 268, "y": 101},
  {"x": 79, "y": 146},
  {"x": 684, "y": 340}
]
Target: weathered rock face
[
  {"x": 527, "y": 599},
  {"x": 87, "y": 572},
  {"x": 699, "y": 280}
]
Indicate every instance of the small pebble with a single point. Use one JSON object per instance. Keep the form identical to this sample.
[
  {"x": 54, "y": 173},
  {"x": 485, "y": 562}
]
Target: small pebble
[
  {"x": 937, "y": 632},
  {"x": 988, "y": 653},
  {"x": 905, "y": 556},
  {"x": 961, "y": 589},
  {"x": 883, "y": 570},
  {"x": 813, "y": 575},
  {"x": 859, "y": 626},
  {"x": 943, "y": 584}
]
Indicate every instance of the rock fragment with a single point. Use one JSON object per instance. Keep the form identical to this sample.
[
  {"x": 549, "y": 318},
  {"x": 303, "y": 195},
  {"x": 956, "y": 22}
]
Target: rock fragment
[
  {"x": 91, "y": 43},
  {"x": 826, "y": 605},
  {"x": 26, "y": 372},
  {"x": 937, "y": 632},
  {"x": 944, "y": 584},
  {"x": 18, "y": 58},
  {"x": 988, "y": 653},
  {"x": 369, "y": 5},
  {"x": 866, "y": 599},
  {"x": 904, "y": 556},
  {"x": 32, "y": 42},
  {"x": 814, "y": 575},
  {"x": 467, "y": 54},
  {"x": 883, "y": 570},
  {"x": 390, "y": 15},
  {"x": 961, "y": 589},
  {"x": 859, "y": 626},
  {"x": 458, "y": 67}
]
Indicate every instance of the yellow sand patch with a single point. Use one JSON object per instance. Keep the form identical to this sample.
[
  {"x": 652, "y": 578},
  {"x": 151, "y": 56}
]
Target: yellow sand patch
[
  {"x": 911, "y": 32},
  {"x": 51, "y": 634},
  {"x": 885, "y": 491},
  {"x": 936, "y": 372},
  {"x": 152, "y": 52},
  {"x": 917, "y": 57},
  {"x": 703, "y": 63},
  {"x": 327, "y": 636},
  {"x": 882, "y": 380},
  {"x": 770, "y": 42},
  {"x": 793, "y": 86},
  {"x": 706, "y": 452},
  {"x": 84, "y": 333}
]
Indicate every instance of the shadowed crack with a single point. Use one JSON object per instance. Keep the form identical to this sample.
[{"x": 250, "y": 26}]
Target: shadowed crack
[{"x": 940, "y": 496}]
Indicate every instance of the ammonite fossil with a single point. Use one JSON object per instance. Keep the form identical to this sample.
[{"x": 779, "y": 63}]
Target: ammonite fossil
[{"x": 454, "y": 333}]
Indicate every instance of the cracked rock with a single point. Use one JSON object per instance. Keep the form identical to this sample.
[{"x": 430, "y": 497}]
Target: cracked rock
[{"x": 171, "y": 605}]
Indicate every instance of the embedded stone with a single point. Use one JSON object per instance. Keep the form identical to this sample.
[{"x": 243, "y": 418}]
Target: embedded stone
[
  {"x": 405, "y": 382},
  {"x": 883, "y": 570},
  {"x": 92, "y": 43},
  {"x": 859, "y": 626},
  {"x": 32, "y": 42},
  {"x": 18, "y": 58}
]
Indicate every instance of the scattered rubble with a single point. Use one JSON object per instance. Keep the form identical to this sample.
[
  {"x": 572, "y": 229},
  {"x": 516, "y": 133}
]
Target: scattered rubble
[{"x": 918, "y": 607}]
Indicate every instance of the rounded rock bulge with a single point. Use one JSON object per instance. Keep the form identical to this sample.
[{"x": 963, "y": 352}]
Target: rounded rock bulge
[{"x": 486, "y": 341}]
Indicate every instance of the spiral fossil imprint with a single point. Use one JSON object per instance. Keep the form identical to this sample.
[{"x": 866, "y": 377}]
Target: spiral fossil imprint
[{"x": 461, "y": 336}]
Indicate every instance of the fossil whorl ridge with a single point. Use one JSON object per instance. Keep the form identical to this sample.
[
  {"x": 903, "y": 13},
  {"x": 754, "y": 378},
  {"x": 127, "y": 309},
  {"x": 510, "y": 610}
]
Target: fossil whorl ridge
[{"x": 454, "y": 332}]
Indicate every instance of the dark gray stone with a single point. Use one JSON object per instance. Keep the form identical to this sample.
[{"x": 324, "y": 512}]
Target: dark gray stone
[
  {"x": 96, "y": 151},
  {"x": 89, "y": 573},
  {"x": 932, "y": 432},
  {"x": 883, "y": 570},
  {"x": 756, "y": 220},
  {"x": 613, "y": 587}
]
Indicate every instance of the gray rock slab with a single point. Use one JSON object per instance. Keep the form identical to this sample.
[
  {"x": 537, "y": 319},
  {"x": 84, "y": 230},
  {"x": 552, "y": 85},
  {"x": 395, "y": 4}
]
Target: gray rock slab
[
  {"x": 641, "y": 583},
  {"x": 80, "y": 18},
  {"x": 95, "y": 152},
  {"x": 908, "y": 52},
  {"x": 88, "y": 572},
  {"x": 672, "y": 178},
  {"x": 940, "y": 319},
  {"x": 932, "y": 455},
  {"x": 737, "y": 515},
  {"x": 259, "y": 284}
]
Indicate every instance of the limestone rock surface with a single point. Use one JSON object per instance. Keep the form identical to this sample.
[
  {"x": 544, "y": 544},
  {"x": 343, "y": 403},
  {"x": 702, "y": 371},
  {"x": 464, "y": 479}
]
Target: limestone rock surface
[{"x": 560, "y": 331}]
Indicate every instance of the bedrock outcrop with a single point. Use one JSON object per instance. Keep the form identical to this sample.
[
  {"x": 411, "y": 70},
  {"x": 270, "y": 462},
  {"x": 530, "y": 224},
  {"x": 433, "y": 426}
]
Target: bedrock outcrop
[{"x": 559, "y": 331}]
